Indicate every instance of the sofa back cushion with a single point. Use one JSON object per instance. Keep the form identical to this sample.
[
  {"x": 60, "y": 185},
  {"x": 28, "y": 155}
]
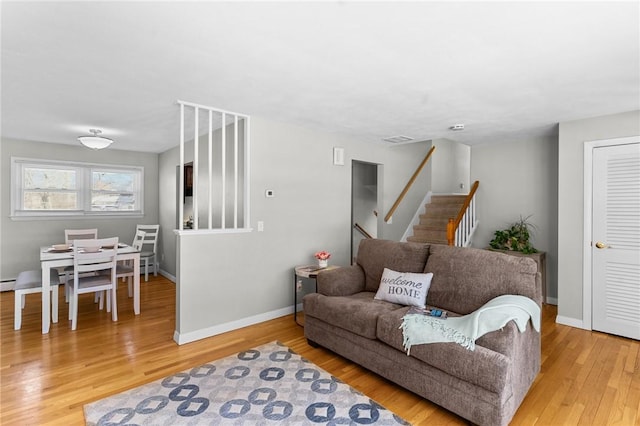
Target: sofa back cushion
[
  {"x": 374, "y": 255},
  {"x": 464, "y": 279}
]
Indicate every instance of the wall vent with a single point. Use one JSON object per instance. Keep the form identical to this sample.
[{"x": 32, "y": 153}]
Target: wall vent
[{"x": 398, "y": 139}]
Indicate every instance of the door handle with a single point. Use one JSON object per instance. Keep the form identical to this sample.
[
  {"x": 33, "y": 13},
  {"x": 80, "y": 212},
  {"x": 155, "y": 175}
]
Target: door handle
[{"x": 601, "y": 245}]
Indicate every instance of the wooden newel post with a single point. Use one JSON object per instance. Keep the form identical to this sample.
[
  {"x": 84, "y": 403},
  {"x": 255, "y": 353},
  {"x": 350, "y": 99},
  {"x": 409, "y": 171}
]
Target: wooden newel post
[{"x": 451, "y": 231}]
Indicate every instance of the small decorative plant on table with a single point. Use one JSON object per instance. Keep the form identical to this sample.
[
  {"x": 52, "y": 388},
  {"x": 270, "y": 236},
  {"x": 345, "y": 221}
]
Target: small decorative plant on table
[
  {"x": 515, "y": 238},
  {"x": 323, "y": 258}
]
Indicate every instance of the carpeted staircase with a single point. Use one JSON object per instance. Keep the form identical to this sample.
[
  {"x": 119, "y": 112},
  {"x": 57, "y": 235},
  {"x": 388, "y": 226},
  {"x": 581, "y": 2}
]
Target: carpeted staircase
[{"x": 432, "y": 228}]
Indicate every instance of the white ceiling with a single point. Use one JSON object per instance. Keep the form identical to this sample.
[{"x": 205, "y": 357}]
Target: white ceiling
[{"x": 506, "y": 70}]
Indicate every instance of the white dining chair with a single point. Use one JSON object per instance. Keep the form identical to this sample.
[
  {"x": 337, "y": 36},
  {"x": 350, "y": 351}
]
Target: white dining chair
[
  {"x": 124, "y": 269},
  {"x": 79, "y": 234},
  {"x": 89, "y": 256},
  {"x": 150, "y": 241},
  {"x": 69, "y": 236},
  {"x": 29, "y": 282}
]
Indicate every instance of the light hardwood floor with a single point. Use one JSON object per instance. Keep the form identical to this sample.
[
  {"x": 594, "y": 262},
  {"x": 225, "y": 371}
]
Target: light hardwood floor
[{"x": 587, "y": 378}]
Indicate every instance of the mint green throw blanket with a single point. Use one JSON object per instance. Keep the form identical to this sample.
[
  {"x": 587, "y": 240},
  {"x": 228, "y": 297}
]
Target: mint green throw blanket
[{"x": 493, "y": 315}]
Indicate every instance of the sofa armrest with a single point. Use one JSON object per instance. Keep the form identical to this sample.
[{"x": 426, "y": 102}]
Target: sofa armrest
[{"x": 343, "y": 281}]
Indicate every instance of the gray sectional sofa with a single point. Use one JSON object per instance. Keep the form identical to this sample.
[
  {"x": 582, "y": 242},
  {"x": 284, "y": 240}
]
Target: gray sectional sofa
[{"x": 485, "y": 386}]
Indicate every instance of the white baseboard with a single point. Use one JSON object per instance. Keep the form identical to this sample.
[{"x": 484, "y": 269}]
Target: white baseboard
[
  {"x": 571, "y": 322},
  {"x": 182, "y": 338},
  {"x": 167, "y": 275}
]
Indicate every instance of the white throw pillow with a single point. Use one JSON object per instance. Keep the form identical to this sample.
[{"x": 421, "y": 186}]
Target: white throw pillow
[{"x": 404, "y": 288}]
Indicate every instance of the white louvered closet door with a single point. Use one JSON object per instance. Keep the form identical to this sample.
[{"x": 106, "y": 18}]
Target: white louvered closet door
[{"x": 616, "y": 240}]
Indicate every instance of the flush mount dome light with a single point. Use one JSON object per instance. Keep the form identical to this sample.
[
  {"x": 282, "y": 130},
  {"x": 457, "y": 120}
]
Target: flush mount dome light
[{"x": 95, "y": 141}]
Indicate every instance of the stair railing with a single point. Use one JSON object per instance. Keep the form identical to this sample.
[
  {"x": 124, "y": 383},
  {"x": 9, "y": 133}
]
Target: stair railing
[
  {"x": 408, "y": 185},
  {"x": 362, "y": 230},
  {"x": 461, "y": 229}
]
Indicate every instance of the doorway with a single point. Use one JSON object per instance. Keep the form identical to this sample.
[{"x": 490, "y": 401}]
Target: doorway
[
  {"x": 612, "y": 231},
  {"x": 365, "y": 187}
]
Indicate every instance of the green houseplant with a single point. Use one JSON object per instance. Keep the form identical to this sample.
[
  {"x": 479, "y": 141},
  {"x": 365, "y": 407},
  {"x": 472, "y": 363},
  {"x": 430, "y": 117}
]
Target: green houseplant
[{"x": 515, "y": 237}]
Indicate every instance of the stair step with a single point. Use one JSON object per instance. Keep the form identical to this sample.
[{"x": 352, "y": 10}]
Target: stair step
[
  {"x": 414, "y": 239},
  {"x": 443, "y": 208},
  {"x": 438, "y": 215},
  {"x": 445, "y": 199},
  {"x": 425, "y": 227},
  {"x": 433, "y": 221},
  {"x": 430, "y": 234}
]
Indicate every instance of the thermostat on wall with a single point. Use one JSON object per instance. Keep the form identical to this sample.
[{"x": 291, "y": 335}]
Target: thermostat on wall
[{"x": 338, "y": 156}]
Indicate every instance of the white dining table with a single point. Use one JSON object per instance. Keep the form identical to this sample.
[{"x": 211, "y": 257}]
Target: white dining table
[{"x": 50, "y": 258}]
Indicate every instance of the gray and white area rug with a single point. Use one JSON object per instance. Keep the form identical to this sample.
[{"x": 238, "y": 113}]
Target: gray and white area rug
[{"x": 267, "y": 385}]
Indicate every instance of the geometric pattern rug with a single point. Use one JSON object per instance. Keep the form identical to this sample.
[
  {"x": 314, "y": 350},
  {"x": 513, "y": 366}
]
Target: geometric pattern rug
[{"x": 267, "y": 385}]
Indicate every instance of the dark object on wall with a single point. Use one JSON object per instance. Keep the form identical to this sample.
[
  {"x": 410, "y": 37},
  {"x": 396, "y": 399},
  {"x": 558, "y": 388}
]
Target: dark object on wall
[{"x": 188, "y": 180}]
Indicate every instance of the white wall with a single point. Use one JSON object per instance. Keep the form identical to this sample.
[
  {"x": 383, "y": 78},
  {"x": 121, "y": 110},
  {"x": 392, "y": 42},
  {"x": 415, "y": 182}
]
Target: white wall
[
  {"x": 519, "y": 178},
  {"x": 450, "y": 164},
  {"x": 226, "y": 281},
  {"x": 572, "y": 136},
  {"x": 21, "y": 239}
]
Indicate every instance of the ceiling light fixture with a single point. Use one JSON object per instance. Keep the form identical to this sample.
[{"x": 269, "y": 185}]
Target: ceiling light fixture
[
  {"x": 457, "y": 127},
  {"x": 95, "y": 141}
]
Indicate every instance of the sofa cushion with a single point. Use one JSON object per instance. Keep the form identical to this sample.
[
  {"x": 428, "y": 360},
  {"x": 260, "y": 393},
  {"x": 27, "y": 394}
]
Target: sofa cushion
[
  {"x": 374, "y": 255},
  {"x": 404, "y": 288},
  {"x": 464, "y": 279},
  {"x": 482, "y": 367},
  {"x": 357, "y": 313}
]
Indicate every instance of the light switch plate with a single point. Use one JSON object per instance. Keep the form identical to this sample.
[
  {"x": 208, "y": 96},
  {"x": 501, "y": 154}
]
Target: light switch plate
[{"x": 338, "y": 156}]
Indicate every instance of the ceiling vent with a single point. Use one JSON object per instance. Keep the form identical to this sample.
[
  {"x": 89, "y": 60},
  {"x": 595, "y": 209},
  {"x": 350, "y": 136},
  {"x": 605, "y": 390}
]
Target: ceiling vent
[{"x": 398, "y": 139}]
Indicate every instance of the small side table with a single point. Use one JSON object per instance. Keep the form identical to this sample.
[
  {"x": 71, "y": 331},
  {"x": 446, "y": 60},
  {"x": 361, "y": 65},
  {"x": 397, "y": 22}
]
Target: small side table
[{"x": 305, "y": 271}]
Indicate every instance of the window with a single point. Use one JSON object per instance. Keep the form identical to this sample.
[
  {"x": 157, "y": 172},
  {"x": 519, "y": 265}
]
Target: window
[
  {"x": 55, "y": 188},
  {"x": 113, "y": 190}
]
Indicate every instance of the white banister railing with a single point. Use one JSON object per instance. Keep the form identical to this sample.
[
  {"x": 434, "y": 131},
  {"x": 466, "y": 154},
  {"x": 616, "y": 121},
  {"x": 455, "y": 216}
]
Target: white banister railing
[
  {"x": 226, "y": 179},
  {"x": 467, "y": 225},
  {"x": 460, "y": 230}
]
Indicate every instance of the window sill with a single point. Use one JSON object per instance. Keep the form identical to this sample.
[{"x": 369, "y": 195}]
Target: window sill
[{"x": 135, "y": 215}]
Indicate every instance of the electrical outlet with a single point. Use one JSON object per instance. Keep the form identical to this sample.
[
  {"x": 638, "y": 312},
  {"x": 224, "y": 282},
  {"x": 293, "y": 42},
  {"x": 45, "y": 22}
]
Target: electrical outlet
[{"x": 260, "y": 226}]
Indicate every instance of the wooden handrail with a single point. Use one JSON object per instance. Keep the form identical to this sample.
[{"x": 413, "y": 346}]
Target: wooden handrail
[
  {"x": 408, "y": 185},
  {"x": 362, "y": 230},
  {"x": 453, "y": 223}
]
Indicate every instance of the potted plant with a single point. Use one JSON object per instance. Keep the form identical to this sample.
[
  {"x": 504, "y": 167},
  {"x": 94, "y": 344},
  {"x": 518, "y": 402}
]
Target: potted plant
[{"x": 515, "y": 237}]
